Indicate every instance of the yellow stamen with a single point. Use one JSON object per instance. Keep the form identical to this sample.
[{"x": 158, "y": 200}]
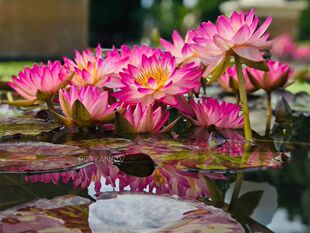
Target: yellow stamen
[{"x": 160, "y": 74}]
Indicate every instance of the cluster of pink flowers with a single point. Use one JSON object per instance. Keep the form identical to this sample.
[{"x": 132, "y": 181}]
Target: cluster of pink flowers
[
  {"x": 285, "y": 48},
  {"x": 139, "y": 85},
  {"x": 279, "y": 75}
]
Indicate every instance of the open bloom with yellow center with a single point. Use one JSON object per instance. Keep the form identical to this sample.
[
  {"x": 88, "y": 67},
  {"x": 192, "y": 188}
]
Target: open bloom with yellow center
[
  {"x": 157, "y": 78},
  {"x": 209, "y": 112},
  {"x": 85, "y": 105},
  {"x": 180, "y": 48},
  {"x": 278, "y": 76},
  {"x": 229, "y": 80},
  {"x": 238, "y": 35},
  {"x": 96, "y": 70},
  {"x": 46, "y": 79},
  {"x": 146, "y": 119}
]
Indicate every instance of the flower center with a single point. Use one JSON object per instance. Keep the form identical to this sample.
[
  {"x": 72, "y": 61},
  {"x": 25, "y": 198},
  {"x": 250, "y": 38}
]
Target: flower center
[{"x": 154, "y": 77}]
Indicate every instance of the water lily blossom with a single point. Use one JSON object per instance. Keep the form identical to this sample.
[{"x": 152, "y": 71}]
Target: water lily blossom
[
  {"x": 40, "y": 82},
  {"x": 157, "y": 78},
  {"x": 278, "y": 76},
  {"x": 209, "y": 112},
  {"x": 229, "y": 80},
  {"x": 238, "y": 36},
  {"x": 85, "y": 105},
  {"x": 145, "y": 119},
  {"x": 180, "y": 48},
  {"x": 95, "y": 70}
]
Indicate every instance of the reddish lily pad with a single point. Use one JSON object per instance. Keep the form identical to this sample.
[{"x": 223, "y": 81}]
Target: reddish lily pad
[
  {"x": 39, "y": 157},
  {"x": 61, "y": 214},
  {"x": 25, "y": 126},
  {"x": 123, "y": 213},
  {"x": 150, "y": 213}
]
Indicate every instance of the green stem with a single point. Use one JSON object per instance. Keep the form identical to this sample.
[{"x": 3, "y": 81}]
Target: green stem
[
  {"x": 237, "y": 189},
  {"x": 244, "y": 101},
  {"x": 268, "y": 114},
  {"x": 49, "y": 104}
]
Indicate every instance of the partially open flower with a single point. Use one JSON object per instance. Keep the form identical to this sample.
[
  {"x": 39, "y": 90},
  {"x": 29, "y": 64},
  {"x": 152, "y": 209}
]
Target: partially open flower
[
  {"x": 181, "y": 49},
  {"x": 283, "y": 46},
  {"x": 302, "y": 53},
  {"x": 229, "y": 80},
  {"x": 86, "y": 105},
  {"x": 238, "y": 35},
  {"x": 96, "y": 70},
  {"x": 277, "y": 77},
  {"x": 209, "y": 112},
  {"x": 145, "y": 119},
  {"x": 157, "y": 78},
  {"x": 40, "y": 82}
]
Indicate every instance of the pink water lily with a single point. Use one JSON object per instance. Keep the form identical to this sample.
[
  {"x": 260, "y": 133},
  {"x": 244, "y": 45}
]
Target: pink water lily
[
  {"x": 146, "y": 119},
  {"x": 229, "y": 80},
  {"x": 278, "y": 76},
  {"x": 157, "y": 78},
  {"x": 136, "y": 53},
  {"x": 302, "y": 53},
  {"x": 283, "y": 46},
  {"x": 209, "y": 112},
  {"x": 94, "y": 70},
  {"x": 238, "y": 35},
  {"x": 47, "y": 79},
  {"x": 94, "y": 100},
  {"x": 180, "y": 48}
]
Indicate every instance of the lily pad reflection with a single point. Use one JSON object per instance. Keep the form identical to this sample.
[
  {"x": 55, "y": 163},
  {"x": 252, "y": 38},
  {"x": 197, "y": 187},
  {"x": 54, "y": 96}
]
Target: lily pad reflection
[{"x": 27, "y": 157}]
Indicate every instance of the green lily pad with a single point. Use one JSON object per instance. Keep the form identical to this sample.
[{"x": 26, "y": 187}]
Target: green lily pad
[
  {"x": 102, "y": 144},
  {"x": 25, "y": 126},
  {"x": 34, "y": 157}
]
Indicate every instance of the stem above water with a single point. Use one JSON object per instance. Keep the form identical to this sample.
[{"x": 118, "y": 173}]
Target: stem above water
[
  {"x": 268, "y": 114},
  {"x": 243, "y": 100}
]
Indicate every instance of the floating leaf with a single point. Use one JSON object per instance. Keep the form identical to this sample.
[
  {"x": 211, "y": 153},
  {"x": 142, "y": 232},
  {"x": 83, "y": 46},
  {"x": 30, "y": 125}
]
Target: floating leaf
[
  {"x": 25, "y": 126},
  {"x": 150, "y": 213},
  {"x": 61, "y": 214},
  {"x": 29, "y": 157}
]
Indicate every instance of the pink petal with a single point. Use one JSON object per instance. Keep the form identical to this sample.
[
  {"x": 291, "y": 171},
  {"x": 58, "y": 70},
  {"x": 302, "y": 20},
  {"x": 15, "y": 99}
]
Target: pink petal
[{"x": 249, "y": 52}]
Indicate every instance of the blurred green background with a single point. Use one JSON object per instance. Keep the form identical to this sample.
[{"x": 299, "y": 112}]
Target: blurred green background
[{"x": 114, "y": 22}]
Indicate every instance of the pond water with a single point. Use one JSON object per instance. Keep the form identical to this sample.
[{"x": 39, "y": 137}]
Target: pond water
[{"x": 210, "y": 181}]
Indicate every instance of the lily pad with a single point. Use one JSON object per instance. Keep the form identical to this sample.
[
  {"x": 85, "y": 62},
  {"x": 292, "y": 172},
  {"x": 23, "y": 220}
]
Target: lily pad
[
  {"x": 25, "y": 126},
  {"x": 29, "y": 157},
  {"x": 199, "y": 157},
  {"x": 149, "y": 213},
  {"x": 102, "y": 144},
  {"x": 61, "y": 214},
  {"x": 123, "y": 213}
]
